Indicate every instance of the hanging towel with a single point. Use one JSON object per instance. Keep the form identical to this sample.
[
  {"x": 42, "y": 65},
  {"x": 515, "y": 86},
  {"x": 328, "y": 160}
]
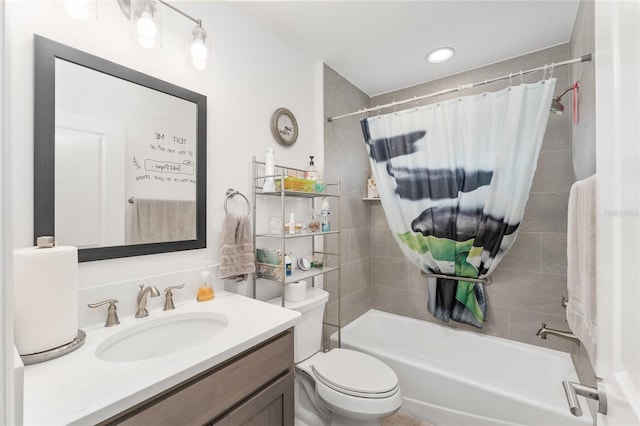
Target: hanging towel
[
  {"x": 581, "y": 267},
  {"x": 236, "y": 251},
  {"x": 157, "y": 221}
]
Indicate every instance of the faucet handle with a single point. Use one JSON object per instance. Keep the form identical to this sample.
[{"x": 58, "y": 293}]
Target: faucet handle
[
  {"x": 168, "y": 299},
  {"x": 112, "y": 311}
]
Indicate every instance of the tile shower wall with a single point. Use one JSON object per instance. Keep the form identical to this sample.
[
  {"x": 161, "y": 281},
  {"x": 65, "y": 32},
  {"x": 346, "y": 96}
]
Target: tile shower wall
[
  {"x": 530, "y": 282},
  {"x": 346, "y": 159},
  {"x": 584, "y": 134}
]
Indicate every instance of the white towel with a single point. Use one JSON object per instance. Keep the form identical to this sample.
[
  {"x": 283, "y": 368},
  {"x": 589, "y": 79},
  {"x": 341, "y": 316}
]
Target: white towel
[{"x": 581, "y": 267}]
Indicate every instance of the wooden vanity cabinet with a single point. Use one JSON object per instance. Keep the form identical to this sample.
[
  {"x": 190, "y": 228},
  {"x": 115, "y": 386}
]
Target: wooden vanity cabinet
[{"x": 254, "y": 388}]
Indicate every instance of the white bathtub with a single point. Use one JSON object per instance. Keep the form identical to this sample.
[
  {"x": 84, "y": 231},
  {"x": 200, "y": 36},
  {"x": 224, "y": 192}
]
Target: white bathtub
[{"x": 456, "y": 377}]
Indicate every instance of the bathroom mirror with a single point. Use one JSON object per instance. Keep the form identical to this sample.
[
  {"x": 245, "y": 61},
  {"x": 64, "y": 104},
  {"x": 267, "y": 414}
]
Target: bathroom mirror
[{"x": 119, "y": 157}]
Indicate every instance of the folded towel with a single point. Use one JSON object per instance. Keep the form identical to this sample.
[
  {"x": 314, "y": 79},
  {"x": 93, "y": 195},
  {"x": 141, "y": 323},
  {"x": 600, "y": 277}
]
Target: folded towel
[
  {"x": 236, "y": 250},
  {"x": 581, "y": 264}
]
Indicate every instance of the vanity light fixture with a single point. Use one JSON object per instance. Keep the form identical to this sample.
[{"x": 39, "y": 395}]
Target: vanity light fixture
[
  {"x": 144, "y": 14},
  {"x": 145, "y": 25},
  {"x": 440, "y": 54}
]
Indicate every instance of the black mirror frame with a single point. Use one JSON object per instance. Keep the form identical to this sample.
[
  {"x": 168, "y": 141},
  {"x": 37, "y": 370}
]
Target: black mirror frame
[{"x": 45, "y": 53}]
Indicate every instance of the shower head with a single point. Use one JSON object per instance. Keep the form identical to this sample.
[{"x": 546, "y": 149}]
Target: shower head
[{"x": 556, "y": 105}]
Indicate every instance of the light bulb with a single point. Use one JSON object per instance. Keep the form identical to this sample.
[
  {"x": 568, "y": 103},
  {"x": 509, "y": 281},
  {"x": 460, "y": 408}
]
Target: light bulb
[
  {"x": 199, "y": 54},
  {"x": 146, "y": 30},
  {"x": 145, "y": 25},
  {"x": 198, "y": 49}
]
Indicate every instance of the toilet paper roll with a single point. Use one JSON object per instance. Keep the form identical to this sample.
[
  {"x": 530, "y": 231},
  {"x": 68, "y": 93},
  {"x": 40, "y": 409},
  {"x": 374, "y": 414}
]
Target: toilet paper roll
[
  {"x": 295, "y": 292},
  {"x": 45, "y": 298}
]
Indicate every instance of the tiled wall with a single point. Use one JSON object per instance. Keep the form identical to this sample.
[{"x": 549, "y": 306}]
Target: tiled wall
[
  {"x": 531, "y": 280},
  {"x": 584, "y": 133},
  {"x": 345, "y": 159}
]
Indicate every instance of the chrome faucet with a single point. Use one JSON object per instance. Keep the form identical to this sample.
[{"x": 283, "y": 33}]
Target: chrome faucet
[
  {"x": 141, "y": 304},
  {"x": 544, "y": 331}
]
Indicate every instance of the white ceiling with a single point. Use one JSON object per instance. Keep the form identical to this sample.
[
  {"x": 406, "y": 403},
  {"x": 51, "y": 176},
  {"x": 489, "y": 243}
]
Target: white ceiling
[{"x": 380, "y": 45}]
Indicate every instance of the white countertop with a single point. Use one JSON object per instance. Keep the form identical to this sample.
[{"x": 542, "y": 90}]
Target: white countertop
[{"x": 78, "y": 388}]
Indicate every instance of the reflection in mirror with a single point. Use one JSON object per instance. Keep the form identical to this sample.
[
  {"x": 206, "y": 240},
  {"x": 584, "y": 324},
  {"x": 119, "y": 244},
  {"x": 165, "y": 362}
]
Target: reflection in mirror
[{"x": 122, "y": 153}]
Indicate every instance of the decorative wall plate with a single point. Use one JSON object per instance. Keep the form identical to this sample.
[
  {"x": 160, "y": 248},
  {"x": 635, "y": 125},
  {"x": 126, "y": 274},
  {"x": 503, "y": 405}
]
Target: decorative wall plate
[{"x": 284, "y": 127}]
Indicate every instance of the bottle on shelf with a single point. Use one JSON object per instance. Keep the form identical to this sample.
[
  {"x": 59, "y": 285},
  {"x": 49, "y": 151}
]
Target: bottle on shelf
[
  {"x": 269, "y": 169},
  {"x": 326, "y": 225},
  {"x": 312, "y": 172},
  {"x": 287, "y": 265},
  {"x": 324, "y": 213},
  {"x": 292, "y": 224}
]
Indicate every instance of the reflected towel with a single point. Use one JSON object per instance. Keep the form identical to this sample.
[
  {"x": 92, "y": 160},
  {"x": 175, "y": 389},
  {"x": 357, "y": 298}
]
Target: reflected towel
[
  {"x": 581, "y": 264},
  {"x": 155, "y": 221},
  {"x": 236, "y": 251}
]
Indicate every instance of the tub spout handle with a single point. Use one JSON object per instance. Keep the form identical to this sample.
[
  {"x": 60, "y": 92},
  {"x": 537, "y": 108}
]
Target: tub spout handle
[{"x": 573, "y": 389}]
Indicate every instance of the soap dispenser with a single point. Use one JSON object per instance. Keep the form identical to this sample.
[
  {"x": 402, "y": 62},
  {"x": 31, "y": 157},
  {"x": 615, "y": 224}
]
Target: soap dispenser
[
  {"x": 205, "y": 291},
  {"x": 312, "y": 172}
]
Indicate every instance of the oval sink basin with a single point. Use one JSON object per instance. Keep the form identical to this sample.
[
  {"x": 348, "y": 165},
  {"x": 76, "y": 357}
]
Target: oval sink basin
[{"x": 159, "y": 337}]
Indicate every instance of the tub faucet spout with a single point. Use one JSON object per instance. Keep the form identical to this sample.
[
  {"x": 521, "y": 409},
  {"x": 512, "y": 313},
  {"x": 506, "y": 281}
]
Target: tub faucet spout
[
  {"x": 544, "y": 331},
  {"x": 141, "y": 301}
]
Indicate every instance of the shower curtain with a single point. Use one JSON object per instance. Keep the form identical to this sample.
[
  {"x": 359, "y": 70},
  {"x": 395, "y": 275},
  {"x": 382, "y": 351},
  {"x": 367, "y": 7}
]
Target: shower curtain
[{"x": 454, "y": 179}]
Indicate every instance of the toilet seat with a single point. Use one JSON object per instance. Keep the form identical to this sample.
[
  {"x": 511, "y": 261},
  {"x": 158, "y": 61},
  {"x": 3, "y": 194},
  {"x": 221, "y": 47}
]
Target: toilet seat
[{"x": 356, "y": 374}]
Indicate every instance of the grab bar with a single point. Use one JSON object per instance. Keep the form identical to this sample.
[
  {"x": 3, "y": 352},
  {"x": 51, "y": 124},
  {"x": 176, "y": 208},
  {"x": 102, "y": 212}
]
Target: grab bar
[
  {"x": 485, "y": 281},
  {"x": 573, "y": 389}
]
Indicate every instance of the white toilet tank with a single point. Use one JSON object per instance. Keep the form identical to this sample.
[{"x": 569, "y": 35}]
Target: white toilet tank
[{"x": 307, "y": 333}]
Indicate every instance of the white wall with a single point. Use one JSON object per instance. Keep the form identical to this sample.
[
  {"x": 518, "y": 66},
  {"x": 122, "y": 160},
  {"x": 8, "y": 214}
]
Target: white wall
[
  {"x": 251, "y": 74},
  {"x": 9, "y": 400}
]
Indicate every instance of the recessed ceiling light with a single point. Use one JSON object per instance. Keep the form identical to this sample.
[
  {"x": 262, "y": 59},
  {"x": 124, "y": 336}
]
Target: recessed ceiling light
[{"x": 440, "y": 55}]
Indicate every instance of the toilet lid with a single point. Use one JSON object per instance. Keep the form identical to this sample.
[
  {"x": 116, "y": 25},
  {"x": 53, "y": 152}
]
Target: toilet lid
[{"x": 355, "y": 373}]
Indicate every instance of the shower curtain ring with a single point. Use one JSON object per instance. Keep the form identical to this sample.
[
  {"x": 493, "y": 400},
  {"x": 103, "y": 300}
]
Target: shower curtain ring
[
  {"x": 510, "y": 81},
  {"x": 551, "y": 71},
  {"x": 521, "y": 77}
]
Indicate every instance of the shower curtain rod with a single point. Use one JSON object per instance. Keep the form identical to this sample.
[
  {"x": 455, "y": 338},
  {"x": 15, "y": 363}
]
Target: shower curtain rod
[{"x": 584, "y": 58}]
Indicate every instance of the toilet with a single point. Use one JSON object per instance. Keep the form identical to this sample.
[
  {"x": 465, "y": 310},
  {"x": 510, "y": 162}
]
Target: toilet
[{"x": 341, "y": 387}]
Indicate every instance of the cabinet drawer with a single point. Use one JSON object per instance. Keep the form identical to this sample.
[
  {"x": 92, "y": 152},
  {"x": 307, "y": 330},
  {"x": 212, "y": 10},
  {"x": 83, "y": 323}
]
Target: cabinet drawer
[
  {"x": 272, "y": 406},
  {"x": 211, "y": 393}
]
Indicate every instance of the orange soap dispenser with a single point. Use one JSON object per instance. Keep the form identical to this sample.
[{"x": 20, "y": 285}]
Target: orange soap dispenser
[{"x": 205, "y": 291}]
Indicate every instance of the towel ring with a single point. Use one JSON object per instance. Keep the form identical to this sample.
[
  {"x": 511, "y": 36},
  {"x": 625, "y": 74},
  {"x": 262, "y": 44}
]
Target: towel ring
[{"x": 230, "y": 194}]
